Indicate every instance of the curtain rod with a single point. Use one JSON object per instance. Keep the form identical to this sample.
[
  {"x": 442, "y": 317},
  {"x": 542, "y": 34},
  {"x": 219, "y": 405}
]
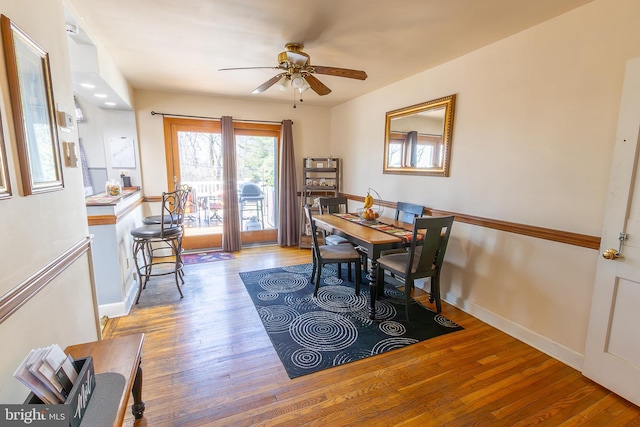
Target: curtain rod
[{"x": 153, "y": 113}]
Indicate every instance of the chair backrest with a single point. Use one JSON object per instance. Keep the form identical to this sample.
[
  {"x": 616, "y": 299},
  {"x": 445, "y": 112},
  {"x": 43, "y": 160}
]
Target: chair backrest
[
  {"x": 173, "y": 204},
  {"x": 332, "y": 205},
  {"x": 431, "y": 235},
  {"x": 314, "y": 230},
  {"x": 186, "y": 195},
  {"x": 407, "y": 212}
]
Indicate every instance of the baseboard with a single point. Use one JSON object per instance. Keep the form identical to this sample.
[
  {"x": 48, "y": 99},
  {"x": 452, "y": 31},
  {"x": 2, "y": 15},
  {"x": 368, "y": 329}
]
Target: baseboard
[
  {"x": 117, "y": 309},
  {"x": 535, "y": 340},
  {"x": 121, "y": 308}
]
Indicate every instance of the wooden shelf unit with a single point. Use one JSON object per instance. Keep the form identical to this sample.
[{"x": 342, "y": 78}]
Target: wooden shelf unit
[{"x": 320, "y": 177}]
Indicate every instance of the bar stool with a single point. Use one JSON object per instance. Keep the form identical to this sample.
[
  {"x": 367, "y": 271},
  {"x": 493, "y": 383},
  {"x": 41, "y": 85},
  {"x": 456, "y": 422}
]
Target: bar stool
[
  {"x": 152, "y": 237},
  {"x": 157, "y": 219}
]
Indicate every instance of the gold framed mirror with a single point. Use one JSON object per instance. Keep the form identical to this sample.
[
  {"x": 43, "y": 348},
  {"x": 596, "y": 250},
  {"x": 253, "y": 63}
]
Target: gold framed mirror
[{"x": 417, "y": 139}]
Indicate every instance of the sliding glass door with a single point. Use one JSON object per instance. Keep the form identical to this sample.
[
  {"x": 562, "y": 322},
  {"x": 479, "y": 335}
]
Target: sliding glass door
[{"x": 194, "y": 157}]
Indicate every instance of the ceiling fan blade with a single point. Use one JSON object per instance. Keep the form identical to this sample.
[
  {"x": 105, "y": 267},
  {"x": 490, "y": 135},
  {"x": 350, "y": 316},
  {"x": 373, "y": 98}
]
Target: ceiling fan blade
[
  {"x": 317, "y": 86},
  {"x": 339, "y": 72},
  {"x": 266, "y": 85},
  {"x": 249, "y": 68}
]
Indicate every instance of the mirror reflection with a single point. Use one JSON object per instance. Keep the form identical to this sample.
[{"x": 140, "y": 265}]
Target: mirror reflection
[{"x": 418, "y": 138}]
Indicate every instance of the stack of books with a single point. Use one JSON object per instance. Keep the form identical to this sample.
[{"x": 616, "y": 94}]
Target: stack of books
[{"x": 48, "y": 373}]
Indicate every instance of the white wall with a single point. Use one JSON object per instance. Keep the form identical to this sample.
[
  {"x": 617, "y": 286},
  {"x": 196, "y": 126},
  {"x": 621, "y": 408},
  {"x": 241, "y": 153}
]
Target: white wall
[
  {"x": 96, "y": 133},
  {"x": 532, "y": 143},
  {"x": 310, "y": 126},
  {"x": 38, "y": 229}
]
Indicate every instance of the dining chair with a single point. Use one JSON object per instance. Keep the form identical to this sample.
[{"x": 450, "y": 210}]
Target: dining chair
[
  {"x": 330, "y": 254},
  {"x": 333, "y": 205},
  {"x": 406, "y": 212},
  {"x": 153, "y": 237},
  {"x": 424, "y": 259}
]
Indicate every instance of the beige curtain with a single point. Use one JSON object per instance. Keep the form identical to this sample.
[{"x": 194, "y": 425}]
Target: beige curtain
[
  {"x": 288, "y": 209},
  {"x": 231, "y": 240}
]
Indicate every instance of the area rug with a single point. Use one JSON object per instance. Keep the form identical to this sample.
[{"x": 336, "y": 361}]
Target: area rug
[
  {"x": 210, "y": 256},
  {"x": 311, "y": 333}
]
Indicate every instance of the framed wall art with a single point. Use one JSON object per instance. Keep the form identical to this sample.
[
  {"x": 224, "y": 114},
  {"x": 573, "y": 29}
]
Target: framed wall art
[
  {"x": 33, "y": 110},
  {"x": 5, "y": 184}
]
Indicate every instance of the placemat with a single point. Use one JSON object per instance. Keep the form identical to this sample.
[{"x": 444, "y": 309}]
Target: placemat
[{"x": 402, "y": 233}]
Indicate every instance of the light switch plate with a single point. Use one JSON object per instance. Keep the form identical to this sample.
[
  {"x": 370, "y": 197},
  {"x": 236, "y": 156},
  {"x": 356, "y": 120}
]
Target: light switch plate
[{"x": 65, "y": 120}]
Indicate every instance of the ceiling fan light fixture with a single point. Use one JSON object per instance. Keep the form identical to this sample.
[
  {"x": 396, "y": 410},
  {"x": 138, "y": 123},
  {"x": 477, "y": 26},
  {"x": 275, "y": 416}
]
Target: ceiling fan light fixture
[
  {"x": 283, "y": 83},
  {"x": 297, "y": 81}
]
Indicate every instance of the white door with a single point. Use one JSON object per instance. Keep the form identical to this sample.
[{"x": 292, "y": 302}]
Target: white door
[{"x": 612, "y": 351}]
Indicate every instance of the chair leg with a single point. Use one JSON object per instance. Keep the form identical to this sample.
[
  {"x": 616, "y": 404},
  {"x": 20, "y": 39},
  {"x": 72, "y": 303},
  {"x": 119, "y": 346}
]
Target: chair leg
[
  {"x": 313, "y": 266},
  {"x": 358, "y": 275},
  {"x": 339, "y": 271},
  {"x": 435, "y": 293},
  {"x": 178, "y": 264},
  {"x": 408, "y": 286},
  {"x": 319, "y": 268},
  {"x": 147, "y": 257},
  {"x": 137, "y": 247}
]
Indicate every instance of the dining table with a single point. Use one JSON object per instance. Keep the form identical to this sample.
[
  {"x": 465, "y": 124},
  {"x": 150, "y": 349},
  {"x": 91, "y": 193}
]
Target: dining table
[{"x": 373, "y": 237}]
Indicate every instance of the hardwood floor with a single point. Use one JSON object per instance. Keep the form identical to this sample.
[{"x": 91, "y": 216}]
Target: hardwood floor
[{"x": 208, "y": 361}]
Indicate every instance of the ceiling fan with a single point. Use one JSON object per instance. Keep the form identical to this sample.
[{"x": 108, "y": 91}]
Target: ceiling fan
[{"x": 296, "y": 70}]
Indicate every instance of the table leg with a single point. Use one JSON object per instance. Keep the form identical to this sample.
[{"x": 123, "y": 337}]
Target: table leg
[
  {"x": 373, "y": 289},
  {"x": 137, "y": 409}
]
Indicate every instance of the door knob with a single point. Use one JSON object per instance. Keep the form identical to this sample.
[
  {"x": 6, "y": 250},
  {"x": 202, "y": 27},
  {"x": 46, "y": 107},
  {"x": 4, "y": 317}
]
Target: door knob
[{"x": 611, "y": 254}]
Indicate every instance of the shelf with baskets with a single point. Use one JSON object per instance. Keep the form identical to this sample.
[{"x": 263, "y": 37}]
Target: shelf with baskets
[{"x": 320, "y": 177}]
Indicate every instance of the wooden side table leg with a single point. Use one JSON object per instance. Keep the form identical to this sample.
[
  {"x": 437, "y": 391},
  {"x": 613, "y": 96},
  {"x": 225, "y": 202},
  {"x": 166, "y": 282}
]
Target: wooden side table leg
[{"x": 137, "y": 409}]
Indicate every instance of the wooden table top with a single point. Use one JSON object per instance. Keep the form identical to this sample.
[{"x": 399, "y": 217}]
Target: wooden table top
[
  {"x": 121, "y": 355},
  {"x": 361, "y": 231}
]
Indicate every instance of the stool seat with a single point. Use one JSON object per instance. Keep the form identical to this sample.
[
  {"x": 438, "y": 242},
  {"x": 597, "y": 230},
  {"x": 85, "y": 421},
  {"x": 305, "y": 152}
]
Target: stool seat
[
  {"x": 157, "y": 219},
  {"x": 156, "y": 231}
]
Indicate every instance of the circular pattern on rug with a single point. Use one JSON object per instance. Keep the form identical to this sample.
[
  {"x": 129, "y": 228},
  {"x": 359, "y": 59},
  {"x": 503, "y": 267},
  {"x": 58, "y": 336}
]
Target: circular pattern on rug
[
  {"x": 305, "y": 358},
  {"x": 340, "y": 299},
  {"x": 391, "y": 344},
  {"x": 393, "y": 292},
  {"x": 392, "y": 328},
  {"x": 252, "y": 276},
  {"x": 267, "y": 296},
  {"x": 440, "y": 319},
  {"x": 323, "y": 331},
  {"x": 385, "y": 310},
  {"x": 302, "y": 268},
  {"x": 283, "y": 282},
  {"x": 331, "y": 280},
  {"x": 277, "y": 318},
  {"x": 302, "y": 304}
]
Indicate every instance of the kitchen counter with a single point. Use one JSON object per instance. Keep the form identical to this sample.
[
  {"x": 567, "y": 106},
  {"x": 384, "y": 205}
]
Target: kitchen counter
[{"x": 111, "y": 219}]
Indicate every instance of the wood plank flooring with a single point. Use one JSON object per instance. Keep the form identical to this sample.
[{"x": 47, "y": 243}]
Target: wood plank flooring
[{"x": 207, "y": 361}]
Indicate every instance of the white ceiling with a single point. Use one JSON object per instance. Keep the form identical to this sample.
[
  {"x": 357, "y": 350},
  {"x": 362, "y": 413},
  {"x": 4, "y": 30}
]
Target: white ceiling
[{"x": 179, "y": 46}]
